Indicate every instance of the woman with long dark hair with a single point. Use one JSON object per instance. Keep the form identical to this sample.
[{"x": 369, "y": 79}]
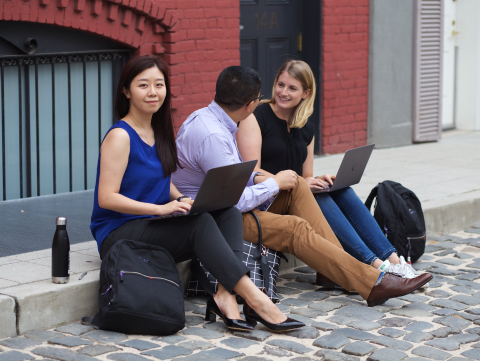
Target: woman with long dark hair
[{"x": 136, "y": 160}]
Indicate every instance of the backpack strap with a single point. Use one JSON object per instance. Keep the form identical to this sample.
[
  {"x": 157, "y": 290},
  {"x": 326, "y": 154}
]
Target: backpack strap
[
  {"x": 92, "y": 321},
  {"x": 261, "y": 255},
  {"x": 371, "y": 197}
]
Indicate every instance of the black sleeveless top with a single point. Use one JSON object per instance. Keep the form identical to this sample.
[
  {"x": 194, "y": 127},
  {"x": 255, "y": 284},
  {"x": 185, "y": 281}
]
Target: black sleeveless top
[{"x": 282, "y": 150}]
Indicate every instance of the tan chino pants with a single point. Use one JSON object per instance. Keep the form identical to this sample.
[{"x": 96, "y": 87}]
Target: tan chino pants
[{"x": 295, "y": 224}]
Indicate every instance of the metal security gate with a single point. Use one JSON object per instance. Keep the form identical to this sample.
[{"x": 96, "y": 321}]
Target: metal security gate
[{"x": 55, "y": 109}]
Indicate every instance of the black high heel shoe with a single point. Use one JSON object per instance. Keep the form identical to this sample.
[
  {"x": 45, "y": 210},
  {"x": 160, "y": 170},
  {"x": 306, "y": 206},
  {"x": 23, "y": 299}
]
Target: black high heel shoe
[
  {"x": 252, "y": 317},
  {"x": 213, "y": 311}
]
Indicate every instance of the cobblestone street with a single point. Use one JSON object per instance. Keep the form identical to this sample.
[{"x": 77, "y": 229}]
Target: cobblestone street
[{"x": 439, "y": 323}]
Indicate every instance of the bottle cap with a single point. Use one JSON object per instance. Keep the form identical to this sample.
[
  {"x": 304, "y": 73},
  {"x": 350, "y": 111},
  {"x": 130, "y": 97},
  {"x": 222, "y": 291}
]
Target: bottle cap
[{"x": 61, "y": 221}]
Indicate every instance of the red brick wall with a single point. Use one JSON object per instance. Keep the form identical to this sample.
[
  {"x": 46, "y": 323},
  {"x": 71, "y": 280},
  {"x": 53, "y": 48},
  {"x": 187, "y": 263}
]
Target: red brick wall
[
  {"x": 198, "y": 38},
  {"x": 206, "y": 40},
  {"x": 344, "y": 74}
]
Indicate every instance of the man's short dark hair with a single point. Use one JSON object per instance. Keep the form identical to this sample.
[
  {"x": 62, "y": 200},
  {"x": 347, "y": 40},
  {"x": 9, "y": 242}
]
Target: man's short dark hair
[{"x": 237, "y": 86}]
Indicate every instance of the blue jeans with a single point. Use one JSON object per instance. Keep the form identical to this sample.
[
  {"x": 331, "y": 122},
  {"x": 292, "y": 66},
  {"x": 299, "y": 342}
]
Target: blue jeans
[{"x": 354, "y": 226}]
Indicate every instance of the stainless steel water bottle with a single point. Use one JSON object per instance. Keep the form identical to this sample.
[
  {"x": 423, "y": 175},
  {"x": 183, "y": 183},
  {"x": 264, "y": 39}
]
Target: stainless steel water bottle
[{"x": 61, "y": 253}]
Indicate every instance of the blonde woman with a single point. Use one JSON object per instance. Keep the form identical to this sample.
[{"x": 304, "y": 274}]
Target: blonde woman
[{"x": 279, "y": 135}]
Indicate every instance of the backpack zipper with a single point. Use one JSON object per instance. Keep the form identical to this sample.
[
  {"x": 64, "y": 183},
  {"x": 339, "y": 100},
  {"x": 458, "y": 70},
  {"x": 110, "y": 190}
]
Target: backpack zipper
[
  {"x": 409, "y": 247},
  {"x": 152, "y": 278}
]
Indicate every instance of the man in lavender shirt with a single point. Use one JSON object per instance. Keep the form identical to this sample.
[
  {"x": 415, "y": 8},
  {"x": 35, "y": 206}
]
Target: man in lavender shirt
[{"x": 293, "y": 223}]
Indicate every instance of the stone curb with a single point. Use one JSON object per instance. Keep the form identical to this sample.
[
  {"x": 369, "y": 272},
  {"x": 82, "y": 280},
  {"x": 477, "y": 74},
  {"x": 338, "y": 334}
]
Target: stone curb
[
  {"x": 44, "y": 304},
  {"x": 8, "y": 324},
  {"x": 452, "y": 214}
]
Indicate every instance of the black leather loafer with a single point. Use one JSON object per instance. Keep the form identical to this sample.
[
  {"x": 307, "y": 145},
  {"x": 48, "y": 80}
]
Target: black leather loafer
[
  {"x": 213, "y": 311},
  {"x": 252, "y": 318}
]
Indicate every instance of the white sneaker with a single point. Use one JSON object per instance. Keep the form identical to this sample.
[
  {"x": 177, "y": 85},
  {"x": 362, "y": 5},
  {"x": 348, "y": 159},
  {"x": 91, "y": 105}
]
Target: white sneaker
[{"x": 405, "y": 270}]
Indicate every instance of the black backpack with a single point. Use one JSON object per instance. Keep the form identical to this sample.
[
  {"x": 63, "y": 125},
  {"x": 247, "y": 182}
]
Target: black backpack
[
  {"x": 140, "y": 291},
  {"x": 399, "y": 214}
]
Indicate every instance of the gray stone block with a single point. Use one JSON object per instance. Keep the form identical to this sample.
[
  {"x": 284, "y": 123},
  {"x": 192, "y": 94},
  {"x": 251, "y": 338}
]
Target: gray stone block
[
  {"x": 359, "y": 348},
  {"x": 468, "y": 300},
  {"x": 305, "y": 269},
  {"x": 194, "y": 320},
  {"x": 306, "y": 279},
  {"x": 474, "y": 311},
  {"x": 15, "y": 356},
  {"x": 126, "y": 356},
  {"x": 190, "y": 306},
  {"x": 444, "y": 271},
  {"x": 444, "y": 312},
  {"x": 448, "y": 304},
  {"x": 417, "y": 337},
  {"x": 70, "y": 341},
  {"x": 452, "y": 321},
  {"x": 431, "y": 353},
  {"x": 418, "y": 326},
  {"x": 341, "y": 320},
  {"x": 308, "y": 312},
  {"x": 105, "y": 336},
  {"x": 445, "y": 332},
  {"x": 387, "y": 354},
  {"x": 465, "y": 338},
  {"x": 306, "y": 320},
  {"x": 63, "y": 354},
  {"x": 43, "y": 336},
  {"x": 395, "y": 322},
  {"x": 314, "y": 296},
  {"x": 325, "y": 306},
  {"x": 331, "y": 341},
  {"x": 256, "y": 335},
  {"x": 390, "y": 342},
  {"x": 238, "y": 343},
  {"x": 462, "y": 289},
  {"x": 329, "y": 355},
  {"x": 97, "y": 350},
  {"x": 304, "y": 332},
  {"x": 468, "y": 276},
  {"x": 413, "y": 312},
  {"x": 451, "y": 261},
  {"x": 391, "y": 332},
  {"x": 19, "y": 343},
  {"x": 196, "y": 345},
  {"x": 364, "y": 325},
  {"x": 472, "y": 354},
  {"x": 290, "y": 346},
  {"x": 202, "y": 332},
  {"x": 167, "y": 352},
  {"x": 360, "y": 313},
  {"x": 75, "y": 329},
  {"x": 295, "y": 302},
  {"x": 199, "y": 300},
  {"x": 438, "y": 294},
  {"x": 287, "y": 290},
  {"x": 473, "y": 330},
  {"x": 219, "y": 353},
  {"x": 200, "y": 357},
  {"x": 414, "y": 298},
  {"x": 277, "y": 352},
  {"x": 324, "y": 326},
  {"x": 172, "y": 339},
  {"x": 300, "y": 286},
  {"x": 8, "y": 326},
  {"x": 444, "y": 344},
  {"x": 139, "y": 344},
  {"x": 354, "y": 334},
  {"x": 216, "y": 326}
]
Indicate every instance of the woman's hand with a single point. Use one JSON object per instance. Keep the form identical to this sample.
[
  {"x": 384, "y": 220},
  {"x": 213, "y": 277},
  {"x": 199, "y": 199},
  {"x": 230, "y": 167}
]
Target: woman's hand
[
  {"x": 173, "y": 206},
  {"x": 187, "y": 200},
  {"x": 320, "y": 182}
]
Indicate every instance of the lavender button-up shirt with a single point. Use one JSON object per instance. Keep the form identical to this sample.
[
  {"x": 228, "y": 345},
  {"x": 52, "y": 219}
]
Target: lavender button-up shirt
[{"x": 207, "y": 140}]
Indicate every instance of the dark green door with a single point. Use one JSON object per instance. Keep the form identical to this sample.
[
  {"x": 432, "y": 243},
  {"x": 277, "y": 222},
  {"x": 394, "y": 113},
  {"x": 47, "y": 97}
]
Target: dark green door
[{"x": 270, "y": 33}]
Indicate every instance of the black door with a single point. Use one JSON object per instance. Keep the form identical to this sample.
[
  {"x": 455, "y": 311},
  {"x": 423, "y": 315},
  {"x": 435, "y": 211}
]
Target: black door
[{"x": 270, "y": 33}]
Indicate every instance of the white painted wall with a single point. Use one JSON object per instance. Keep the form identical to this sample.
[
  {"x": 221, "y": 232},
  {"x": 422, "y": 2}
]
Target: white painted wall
[
  {"x": 468, "y": 66},
  {"x": 448, "y": 82}
]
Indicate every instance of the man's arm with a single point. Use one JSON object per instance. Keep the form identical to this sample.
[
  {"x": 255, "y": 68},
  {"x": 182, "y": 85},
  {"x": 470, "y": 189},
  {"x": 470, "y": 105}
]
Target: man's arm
[{"x": 216, "y": 151}]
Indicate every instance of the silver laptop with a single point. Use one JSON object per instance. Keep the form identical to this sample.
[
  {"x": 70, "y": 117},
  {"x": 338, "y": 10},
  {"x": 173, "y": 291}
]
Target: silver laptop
[
  {"x": 351, "y": 170},
  {"x": 222, "y": 187}
]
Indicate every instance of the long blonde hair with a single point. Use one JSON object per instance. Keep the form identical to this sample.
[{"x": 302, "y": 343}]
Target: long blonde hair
[{"x": 299, "y": 70}]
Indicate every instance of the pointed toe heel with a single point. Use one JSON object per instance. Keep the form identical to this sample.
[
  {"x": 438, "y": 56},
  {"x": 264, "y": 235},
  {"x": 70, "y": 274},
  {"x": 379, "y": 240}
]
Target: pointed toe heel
[
  {"x": 213, "y": 311},
  {"x": 252, "y": 317}
]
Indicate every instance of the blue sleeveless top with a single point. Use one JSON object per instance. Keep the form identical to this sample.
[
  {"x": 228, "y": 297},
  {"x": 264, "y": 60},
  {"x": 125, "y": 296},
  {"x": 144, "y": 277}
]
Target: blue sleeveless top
[{"x": 143, "y": 181}]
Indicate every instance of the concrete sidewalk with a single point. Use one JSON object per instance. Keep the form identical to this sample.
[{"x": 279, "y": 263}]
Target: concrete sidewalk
[{"x": 445, "y": 176}]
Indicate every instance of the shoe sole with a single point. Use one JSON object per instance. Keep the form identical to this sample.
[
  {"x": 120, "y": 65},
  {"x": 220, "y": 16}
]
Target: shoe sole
[
  {"x": 381, "y": 301},
  {"x": 230, "y": 328}
]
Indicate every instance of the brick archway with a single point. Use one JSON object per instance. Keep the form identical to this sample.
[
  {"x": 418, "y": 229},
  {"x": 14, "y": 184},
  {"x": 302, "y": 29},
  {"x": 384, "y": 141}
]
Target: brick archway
[{"x": 137, "y": 24}]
